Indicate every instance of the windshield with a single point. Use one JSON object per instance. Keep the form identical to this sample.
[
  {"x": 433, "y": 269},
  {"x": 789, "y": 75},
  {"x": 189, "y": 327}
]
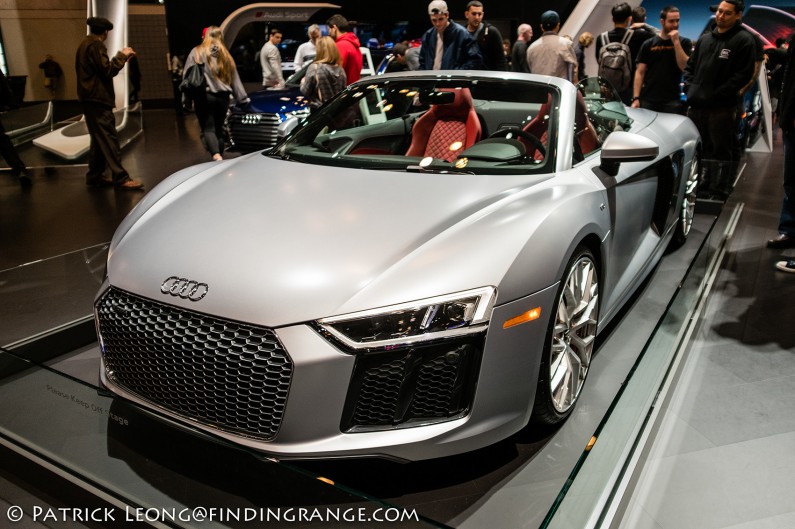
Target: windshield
[{"x": 469, "y": 125}]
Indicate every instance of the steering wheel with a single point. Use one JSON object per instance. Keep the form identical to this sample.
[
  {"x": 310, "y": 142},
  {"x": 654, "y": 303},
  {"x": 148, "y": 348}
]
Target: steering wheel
[{"x": 516, "y": 131}]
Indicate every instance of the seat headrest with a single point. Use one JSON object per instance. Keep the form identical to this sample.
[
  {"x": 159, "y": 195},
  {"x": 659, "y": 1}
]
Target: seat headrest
[{"x": 459, "y": 108}]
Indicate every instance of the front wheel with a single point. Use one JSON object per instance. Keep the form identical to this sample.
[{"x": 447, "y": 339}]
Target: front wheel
[{"x": 570, "y": 340}]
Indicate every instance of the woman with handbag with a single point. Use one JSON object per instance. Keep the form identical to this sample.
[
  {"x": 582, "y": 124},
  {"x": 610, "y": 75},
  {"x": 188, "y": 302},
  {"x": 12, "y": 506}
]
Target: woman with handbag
[
  {"x": 221, "y": 82},
  {"x": 325, "y": 76}
]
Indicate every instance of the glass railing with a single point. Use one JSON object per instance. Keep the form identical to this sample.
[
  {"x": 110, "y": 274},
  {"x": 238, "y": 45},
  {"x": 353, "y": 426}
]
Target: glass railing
[
  {"x": 27, "y": 122},
  {"x": 594, "y": 489},
  {"x": 153, "y": 472},
  {"x": 40, "y": 297}
]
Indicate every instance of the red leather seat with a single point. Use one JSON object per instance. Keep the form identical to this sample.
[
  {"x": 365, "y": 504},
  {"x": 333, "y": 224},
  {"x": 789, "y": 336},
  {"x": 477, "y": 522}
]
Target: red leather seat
[
  {"x": 446, "y": 129},
  {"x": 587, "y": 138},
  {"x": 538, "y": 127}
]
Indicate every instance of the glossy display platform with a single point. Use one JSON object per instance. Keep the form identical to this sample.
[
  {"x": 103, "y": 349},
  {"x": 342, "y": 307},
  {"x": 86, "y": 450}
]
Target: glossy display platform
[{"x": 56, "y": 414}]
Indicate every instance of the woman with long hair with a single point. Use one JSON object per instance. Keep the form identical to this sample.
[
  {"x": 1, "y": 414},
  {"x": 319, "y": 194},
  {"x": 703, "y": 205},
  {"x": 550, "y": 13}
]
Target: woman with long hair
[
  {"x": 223, "y": 83},
  {"x": 325, "y": 76}
]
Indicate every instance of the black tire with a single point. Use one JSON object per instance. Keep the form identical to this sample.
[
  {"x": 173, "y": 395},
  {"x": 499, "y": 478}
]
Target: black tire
[{"x": 571, "y": 333}]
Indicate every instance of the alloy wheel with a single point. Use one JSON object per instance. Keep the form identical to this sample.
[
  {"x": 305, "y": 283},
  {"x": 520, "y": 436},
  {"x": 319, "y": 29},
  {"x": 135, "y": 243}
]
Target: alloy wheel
[
  {"x": 689, "y": 200},
  {"x": 573, "y": 334}
]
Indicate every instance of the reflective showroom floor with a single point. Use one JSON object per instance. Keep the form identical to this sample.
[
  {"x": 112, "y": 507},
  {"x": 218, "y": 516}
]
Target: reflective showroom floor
[{"x": 719, "y": 455}]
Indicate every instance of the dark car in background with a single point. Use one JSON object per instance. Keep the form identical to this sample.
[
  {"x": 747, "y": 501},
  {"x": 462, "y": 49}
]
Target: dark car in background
[{"x": 254, "y": 126}]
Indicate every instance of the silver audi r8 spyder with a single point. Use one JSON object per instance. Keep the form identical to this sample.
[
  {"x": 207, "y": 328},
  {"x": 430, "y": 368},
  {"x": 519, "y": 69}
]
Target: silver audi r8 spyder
[{"x": 417, "y": 269}]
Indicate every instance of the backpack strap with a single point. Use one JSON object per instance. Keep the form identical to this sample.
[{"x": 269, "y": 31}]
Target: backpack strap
[
  {"x": 605, "y": 39},
  {"x": 627, "y": 36}
]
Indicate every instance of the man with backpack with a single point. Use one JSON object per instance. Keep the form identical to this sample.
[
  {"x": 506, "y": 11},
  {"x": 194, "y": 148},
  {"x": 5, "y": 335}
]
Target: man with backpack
[{"x": 617, "y": 49}]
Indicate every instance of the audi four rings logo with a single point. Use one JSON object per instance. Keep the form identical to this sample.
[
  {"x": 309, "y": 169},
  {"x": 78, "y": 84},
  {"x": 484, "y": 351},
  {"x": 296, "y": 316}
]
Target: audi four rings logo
[
  {"x": 184, "y": 288},
  {"x": 251, "y": 119}
]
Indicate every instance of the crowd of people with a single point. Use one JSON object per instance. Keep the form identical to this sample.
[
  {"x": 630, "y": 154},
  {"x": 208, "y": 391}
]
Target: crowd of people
[{"x": 645, "y": 64}]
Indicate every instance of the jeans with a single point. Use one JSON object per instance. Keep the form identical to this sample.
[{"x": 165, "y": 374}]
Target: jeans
[
  {"x": 716, "y": 126},
  {"x": 211, "y": 113},
  {"x": 672, "y": 107},
  {"x": 105, "y": 151},
  {"x": 717, "y": 129}
]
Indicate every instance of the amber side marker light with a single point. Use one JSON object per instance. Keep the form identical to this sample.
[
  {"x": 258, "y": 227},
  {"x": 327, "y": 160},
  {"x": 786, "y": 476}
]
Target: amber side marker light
[
  {"x": 530, "y": 315},
  {"x": 325, "y": 480}
]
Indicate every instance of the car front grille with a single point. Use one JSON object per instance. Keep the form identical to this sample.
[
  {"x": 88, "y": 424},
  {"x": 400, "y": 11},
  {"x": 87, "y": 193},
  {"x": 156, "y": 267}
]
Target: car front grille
[
  {"x": 221, "y": 373},
  {"x": 429, "y": 383},
  {"x": 253, "y": 131}
]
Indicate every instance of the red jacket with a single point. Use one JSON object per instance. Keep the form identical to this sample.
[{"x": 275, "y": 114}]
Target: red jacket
[{"x": 348, "y": 45}]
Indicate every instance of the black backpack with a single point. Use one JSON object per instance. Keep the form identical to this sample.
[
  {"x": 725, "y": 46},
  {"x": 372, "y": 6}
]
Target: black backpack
[{"x": 615, "y": 61}]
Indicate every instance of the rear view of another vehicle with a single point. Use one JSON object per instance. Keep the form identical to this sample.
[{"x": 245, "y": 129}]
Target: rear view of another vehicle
[{"x": 254, "y": 126}]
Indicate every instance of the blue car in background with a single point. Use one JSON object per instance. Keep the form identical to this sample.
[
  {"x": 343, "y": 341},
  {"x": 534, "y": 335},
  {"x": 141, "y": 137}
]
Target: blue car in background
[{"x": 254, "y": 126}]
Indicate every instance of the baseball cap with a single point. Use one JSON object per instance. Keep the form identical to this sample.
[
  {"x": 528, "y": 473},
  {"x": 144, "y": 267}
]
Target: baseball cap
[
  {"x": 100, "y": 23},
  {"x": 549, "y": 19},
  {"x": 437, "y": 6}
]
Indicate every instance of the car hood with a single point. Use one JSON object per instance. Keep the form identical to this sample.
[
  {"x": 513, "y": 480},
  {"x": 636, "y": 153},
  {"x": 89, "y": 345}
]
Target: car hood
[
  {"x": 274, "y": 101},
  {"x": 282, "y": 242}
]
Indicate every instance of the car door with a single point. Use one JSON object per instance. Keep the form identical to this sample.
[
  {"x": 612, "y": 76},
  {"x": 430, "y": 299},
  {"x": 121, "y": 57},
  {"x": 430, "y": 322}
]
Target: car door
[{"x": 631, "y": 193}]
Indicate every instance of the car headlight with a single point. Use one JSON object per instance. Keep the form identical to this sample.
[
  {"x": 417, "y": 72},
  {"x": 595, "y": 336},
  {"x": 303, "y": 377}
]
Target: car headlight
[{"x": 418, "y": 321}]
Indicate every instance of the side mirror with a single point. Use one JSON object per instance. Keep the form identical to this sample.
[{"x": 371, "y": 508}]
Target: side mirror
[
  {"x": 623, "y": 146},
  {"x": 287, "y": 126}
]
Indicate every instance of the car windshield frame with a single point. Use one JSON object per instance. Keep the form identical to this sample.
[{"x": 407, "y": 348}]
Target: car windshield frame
[
  {"x": 372, "y": 125},
  {"x": 295, "y": 78}
]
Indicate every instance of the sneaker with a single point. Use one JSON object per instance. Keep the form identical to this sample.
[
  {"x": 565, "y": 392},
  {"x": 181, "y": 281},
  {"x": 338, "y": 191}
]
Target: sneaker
[
  {"x": 786, "y": 266},
  {"x": 130, "y": 185}
]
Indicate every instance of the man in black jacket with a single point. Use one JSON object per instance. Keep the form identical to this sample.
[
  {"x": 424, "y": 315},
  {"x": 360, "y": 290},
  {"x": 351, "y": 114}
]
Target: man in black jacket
[
  {"x": 487, "y": 36},
  {"x": 519, "y": 50},
  {"x": 716, "y": 72},
  {"x": 95, "y": 73},
  {"x": 786, "y": 120}
]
